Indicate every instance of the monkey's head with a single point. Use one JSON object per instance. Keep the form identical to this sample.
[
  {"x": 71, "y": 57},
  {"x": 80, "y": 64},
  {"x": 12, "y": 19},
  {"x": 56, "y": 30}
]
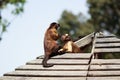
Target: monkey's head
[
  {"x": 54, "y": 25},
  {"x": 65, "y": 38}
]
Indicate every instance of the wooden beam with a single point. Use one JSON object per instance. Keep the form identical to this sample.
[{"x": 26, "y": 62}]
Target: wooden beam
[
  {"x": 54, "y": 68},
  {"x": 107, "y": 50},
  {"x": 85, "y": 40},
  {"x": 70, "y": 56},
  {"x": 104, "y": 78},
  {"x": 60, "y": 62},
  {"x": 104, "y": 73},
  {"x": 104, "y": 67},
  {"x": 105, "y": 62},
  {"x": 107, "y": 40},
  {"x": 107, "y": 45},
  {"x": 41, "y": 78},
  {"x": 47, "y": 73}
]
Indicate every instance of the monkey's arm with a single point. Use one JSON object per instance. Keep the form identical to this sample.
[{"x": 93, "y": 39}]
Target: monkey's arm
[
  {"x": 62, "y": 50},
  {"x": 54, "y": 34},
  {"x": 67, "y": 47}
]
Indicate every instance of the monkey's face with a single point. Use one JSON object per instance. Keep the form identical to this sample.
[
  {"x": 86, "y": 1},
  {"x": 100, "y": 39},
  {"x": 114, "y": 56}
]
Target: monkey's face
[
  {"x": 65, "y": 37},
  {"x": 57, "y": 26}
]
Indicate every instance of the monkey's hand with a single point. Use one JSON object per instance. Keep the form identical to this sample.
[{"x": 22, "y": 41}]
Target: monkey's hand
[{"x": 61, "y": 50}]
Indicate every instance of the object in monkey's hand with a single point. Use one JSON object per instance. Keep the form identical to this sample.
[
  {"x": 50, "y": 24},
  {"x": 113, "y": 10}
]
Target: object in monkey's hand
[
  {"x": 69, "y": 46},
  {"x": 50, "y": 43}
]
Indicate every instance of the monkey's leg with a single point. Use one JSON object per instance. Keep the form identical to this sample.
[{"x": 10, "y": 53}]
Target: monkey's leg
[
  {"x": 56, "y": 51},
  {"x": 44, "y": 62}
]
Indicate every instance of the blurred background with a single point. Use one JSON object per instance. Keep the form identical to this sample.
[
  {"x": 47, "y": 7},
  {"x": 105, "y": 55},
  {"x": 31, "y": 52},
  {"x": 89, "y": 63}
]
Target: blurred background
[{"x": 24, "y": 22}]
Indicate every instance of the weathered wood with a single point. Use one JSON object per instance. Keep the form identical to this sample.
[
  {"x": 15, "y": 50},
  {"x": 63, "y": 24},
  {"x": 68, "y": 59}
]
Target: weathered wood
[
  {"x": 92, "y": 53},
  {"x": 47, "y": 73},
  {"x": 74, "y": 66},
  {"x": 60, "y": 61},
  {"x": 107, "y": 50},
  {"x": 104, "y": 73},
  {"x": 41, "y": 78},
  {"x": 99, "y": 35},
  {"x": 105, "y": 62},
  {"x": 109, "y": 36},
  {"x": 85, "y": 40},
  {"x": 107, "y": 40},
  {"x": 105, "y": 45},
  {"x": 70, "y": 56},
  {"x": 54, "y": 68},
  {"x": 104, "y": 67},
  {"x": 104, "y": 78}
]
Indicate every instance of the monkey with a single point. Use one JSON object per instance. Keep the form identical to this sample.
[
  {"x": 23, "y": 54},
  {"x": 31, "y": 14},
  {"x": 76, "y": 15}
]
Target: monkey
[
  {"x": 69, "y": 45},
  {"x": 51, "y": 46}
]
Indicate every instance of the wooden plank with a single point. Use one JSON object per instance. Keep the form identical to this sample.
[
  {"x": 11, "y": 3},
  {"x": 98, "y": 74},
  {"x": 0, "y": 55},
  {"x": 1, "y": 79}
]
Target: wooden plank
[
  {"x": 92, "y": 53},
  {"x": 41, "y": 78},
  {"x": 47, "y": 73},
  {"x": 103, "y": 73},
  {"x": 99, "y": 35},
  {"x": 107, "y": 50},
  {"x": 70, "y": 56},
  {"x": 105, "y": 45},
  {"x": 54, "y": 68},
  {"x": 85, "y": 40},
  {"x": 107, "y": 40},
  {"x": 104, "y": 78},
  {"x": 105, "y": 62},
  {"x": 104, "y": 67},
  {"x": 106, "y": 36},
  {"x": 60, "y": 61}
]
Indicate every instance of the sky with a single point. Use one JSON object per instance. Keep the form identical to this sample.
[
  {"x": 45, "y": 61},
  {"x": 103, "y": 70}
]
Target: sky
[{"x": 23, "y": 40}]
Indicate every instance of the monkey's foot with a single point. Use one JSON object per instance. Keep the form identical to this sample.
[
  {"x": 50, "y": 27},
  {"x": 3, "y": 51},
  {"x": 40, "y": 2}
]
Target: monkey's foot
[{"x": 48, "y": 65}]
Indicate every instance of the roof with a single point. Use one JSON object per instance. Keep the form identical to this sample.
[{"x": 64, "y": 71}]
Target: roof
[{"x": 71, "y": 66}]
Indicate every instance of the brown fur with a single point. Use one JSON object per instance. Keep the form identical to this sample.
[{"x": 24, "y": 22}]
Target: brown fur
[
  {"x": 50, "y": 43},
  {"x": 69, "y": 45}
]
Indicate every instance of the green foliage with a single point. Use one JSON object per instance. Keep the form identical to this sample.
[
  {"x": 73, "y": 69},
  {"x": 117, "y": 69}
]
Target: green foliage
[
  {"x": 17, "y": 5},
  {"x": 105, "y": 15},
  {"x": 75, "y": 25}
]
